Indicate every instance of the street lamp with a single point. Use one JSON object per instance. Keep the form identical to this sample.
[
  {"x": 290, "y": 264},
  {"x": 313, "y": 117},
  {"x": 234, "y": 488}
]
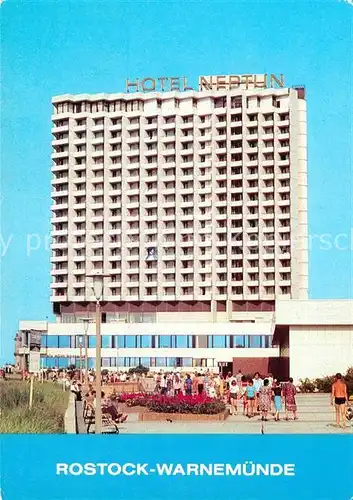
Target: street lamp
[
  {"x": 80, "y": 344},
  {"x": 86, "y": 322},
  {"x": 98, "y": 285}
]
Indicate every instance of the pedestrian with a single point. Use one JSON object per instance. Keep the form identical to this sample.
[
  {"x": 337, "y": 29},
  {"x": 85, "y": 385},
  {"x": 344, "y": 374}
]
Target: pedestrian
[
  {"x": 242, "y": 394},
  {"x": 265, "y": 397},
  {"x": 229, "y": 379},
  {"x": 270, "y": 379},
  {"x": 277, "y": 397},
  {"x": 339, "y": 397},
  {"x": 164, "y": 387},
  {"x": 258, "y": 383},
  {"x": 76, "y": 389},
  {"x": 177, "y": 385},
  {"x": 188, "y": 385},
  {"x": 195, "y": 383},
  {"x": 233, "y": 396},
  {"x": 250, "y": 398},
  {"x": 157, "y": 386},
  {"x": 200, "y": 383},
  {"x": 238, "y": 377},
  {"x": 289, "y": 393}
]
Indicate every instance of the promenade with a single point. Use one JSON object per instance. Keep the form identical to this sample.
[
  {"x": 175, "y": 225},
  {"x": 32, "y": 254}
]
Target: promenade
[{"x": 316, "y": 416}]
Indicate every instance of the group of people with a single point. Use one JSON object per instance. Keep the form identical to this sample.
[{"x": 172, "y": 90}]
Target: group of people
[
  {"x": 257, "y": 395},
  {"x": 261, "y": 396}
]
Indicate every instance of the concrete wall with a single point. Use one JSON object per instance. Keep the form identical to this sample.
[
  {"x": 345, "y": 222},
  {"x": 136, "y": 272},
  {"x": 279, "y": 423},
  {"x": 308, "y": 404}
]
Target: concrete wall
[
  {"x": 317, "y": 351},
  {"x": 314, "y": 312},
  {"x": 70, "y": 415},
  {"x": 170, "y": 328}
]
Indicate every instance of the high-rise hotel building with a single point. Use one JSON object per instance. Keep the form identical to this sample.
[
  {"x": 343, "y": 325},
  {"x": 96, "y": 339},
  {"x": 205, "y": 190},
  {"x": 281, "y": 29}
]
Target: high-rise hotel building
[
  {"x": 190, "y": 201},
  {"x": 194, "y": 206}
]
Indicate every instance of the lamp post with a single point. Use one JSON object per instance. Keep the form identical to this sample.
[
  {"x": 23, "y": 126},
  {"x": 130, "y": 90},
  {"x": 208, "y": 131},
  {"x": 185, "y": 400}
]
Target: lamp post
[
  {"x": 86, "y": 322},
  {"x": 80, "y": 343},
  {"x": 98, "y": 285}
]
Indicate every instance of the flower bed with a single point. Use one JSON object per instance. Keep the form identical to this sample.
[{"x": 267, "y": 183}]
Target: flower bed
[{"x": 196, "y": 405}]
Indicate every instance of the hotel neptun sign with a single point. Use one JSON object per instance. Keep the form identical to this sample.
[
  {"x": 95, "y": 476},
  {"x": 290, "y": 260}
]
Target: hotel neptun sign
[{"x": 218, "y": 82}]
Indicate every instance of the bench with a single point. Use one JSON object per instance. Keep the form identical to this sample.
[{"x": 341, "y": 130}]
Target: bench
[{"x": 108, "y": 424}]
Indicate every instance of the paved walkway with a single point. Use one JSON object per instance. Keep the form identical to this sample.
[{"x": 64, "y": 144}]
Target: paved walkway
[{"x": 316, "y": 416}]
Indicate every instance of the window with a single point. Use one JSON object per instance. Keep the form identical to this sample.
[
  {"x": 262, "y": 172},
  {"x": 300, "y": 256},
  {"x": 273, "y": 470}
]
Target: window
[
  {"x": 146, "y": 362},
  {"x": 255, "y": 341},
  {"x": 130, "y": 341},
  {"x": 161, "y": 362},
  {"x": 92, "y": 341},
  {"x": 218, "y": 341},
  {"x": 144, "y": 341},
  {"x": 164, "y": 341},
  {"x": 106, "y": 341},
  {"x": 183, "y": 341},
  {"x": 52, "y": 341},
  {"x": 64, "y": 341},
  {"x": 239, "y": 341}
]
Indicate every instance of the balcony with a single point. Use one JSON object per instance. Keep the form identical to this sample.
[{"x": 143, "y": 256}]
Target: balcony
[
  {"x": 58, "y": 156},
  {"x": 114, "y": 128},
  {"x": 59, "y": 206},
  {"x": 79, "y": 167},
  {"x": 252, "y": 203},
  {"x": 283, "y": 203},
  {"x": 64, "y": 218},
  {"x": 62, "y": 284},
  {"x": 78, "y": 258},
  {"x": 284, "y": 189},
  {"x": 59, "y": 168},
  {"x": 60, "y": 142},
  {"x": 59, "y": 258},
  {"x": 59, "y": 232},
  {"x": 59, "y": 272},
  {"x": 169, "y": 257},
  {"x": 268, "y": 203}
]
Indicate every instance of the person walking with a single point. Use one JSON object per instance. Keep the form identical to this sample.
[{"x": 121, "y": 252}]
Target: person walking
[
  {"x": 188, "y": 385},
  {"x": 339, "y": 398},
  {"x": 164, "y": 387},
  {"x": 289, "y": 393},
  {"x": 277, "y": 397},
  {"x": 250, "y": 398},
  {"x": 233, "y": 396},
  {"x": 265, "y": 396},
  {"x": 239, "y": 377},
  {"x": 200, "y": 384},
  {"x": 194, "y": 383},
  {"x": 76, "y": 389},
  {"x": 242, "y": 395},
  {"x": 258, "y": 383},
  {"x": 177, "y": 385}
]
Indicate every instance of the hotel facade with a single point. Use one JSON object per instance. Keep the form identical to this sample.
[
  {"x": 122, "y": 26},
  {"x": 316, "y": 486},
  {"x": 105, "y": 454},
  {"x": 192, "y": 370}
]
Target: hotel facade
[{"x": 194, "y": 205}]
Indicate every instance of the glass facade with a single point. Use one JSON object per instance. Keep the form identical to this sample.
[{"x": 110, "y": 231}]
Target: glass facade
[{"x": 158, "y": 341}]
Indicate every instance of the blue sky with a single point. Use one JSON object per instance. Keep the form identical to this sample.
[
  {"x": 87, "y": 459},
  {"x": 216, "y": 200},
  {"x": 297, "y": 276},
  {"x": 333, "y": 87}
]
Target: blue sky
[{"x": 50, "y": 48}]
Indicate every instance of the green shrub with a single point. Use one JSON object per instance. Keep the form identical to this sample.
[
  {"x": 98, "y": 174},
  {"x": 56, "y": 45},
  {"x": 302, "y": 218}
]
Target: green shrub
[
  {"x": 46, "y": 415},
  {"x": 349, "y": 381},
  {"x": 324, "y": 384},
  {"x": 306, "y": 385}
]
